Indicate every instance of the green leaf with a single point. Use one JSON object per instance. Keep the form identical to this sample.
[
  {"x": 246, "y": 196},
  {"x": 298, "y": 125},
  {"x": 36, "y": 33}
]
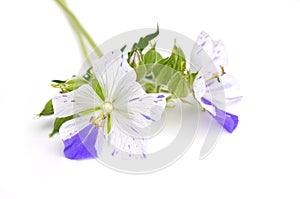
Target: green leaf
[
  {"x": 48, "y": 109},
  {"x": 174, "y": 80},
  {"x": 144, "y": 41},
  {"x": 152, "y": 56},
  {"x": 57, "y": 124},
  {"x": 177, "y": 60},
  {"x": 123, "y": 48},
  {"x": 178, "y": 85},
  {"x": 162, "y": 73}
]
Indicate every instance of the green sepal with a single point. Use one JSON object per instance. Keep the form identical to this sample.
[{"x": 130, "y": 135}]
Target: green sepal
[
  {"x": 123, "y": 48},
  {"x": 58, "y": 123},
  {"x": 69, "y": 85},
  {"x": 58, "y": 81},
  {"x": 75, "y": 83},
  {"x": 177, "y": 83},
  {"x": 150, "y": 88},
  {"x": 152, "y": 56},
  {"x": 108, "y": 123},
  {"x": 88, "y": 111},
  {"x": 140, "y": 71},
  {"x": 48, "y": 109},
  {"x": 191, "y": 78},
  {"x": 96, "y": 86},
  {"x": 177, "y": 60}
]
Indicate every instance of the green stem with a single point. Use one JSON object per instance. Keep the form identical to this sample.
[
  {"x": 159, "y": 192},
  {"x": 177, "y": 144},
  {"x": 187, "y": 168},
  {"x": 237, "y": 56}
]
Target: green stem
[
  {"x": 78, "y": 26},
  {"x": 80, "y": 39},
  {"x": 83, "y": 47}
]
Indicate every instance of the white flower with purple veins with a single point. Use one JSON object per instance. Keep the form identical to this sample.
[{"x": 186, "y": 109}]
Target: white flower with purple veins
[
  {"x": 116, "y": 113},
  {"x": 213, "y": 88}
]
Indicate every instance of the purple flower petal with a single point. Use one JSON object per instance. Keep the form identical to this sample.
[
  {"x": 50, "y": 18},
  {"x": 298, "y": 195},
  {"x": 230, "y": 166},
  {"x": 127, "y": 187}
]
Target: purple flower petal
[
  {"x": 147, "y": 117},
  {"x": 160, "y": 96},
  {"x": 82, "y": 145},
  {"x": 227, "y": 120}
]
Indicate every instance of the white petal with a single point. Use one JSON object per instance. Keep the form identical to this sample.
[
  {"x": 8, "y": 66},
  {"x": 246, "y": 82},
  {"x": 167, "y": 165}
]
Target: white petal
[
  {"x": 83, "y": 127},
  {"x": 73, "y": 126},
  {"x": 226, "y": 92},
  {"x": 141, "y": 111},
  {"x": 110, "y": 70},
  {"x": 205, "y": 43},
  {"x": 63, "y": 105},
  {"x": 208, "y": 55},
  {"x": 200, "y": 90},
  {"x": 199, "y": 86},
  {"x": 82, "y": 99},
  {"x": 126, "y": 143},
  {"x": 85, "y": 98},
  {"x": 209, "y": 108},
  {"x": 219, "y": 55},
  {"x": 147, "y": 110}
]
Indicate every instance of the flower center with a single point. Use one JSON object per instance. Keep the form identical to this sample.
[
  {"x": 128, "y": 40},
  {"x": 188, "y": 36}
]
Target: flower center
[{"x": 107, "y": 107}]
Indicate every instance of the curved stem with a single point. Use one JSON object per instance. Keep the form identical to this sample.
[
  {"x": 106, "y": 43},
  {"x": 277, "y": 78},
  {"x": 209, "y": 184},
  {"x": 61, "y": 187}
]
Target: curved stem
[
  {"x": 80, "y": 39},
  {"x": 83, "y": 48},
  {"x": 77, "y": 24}
]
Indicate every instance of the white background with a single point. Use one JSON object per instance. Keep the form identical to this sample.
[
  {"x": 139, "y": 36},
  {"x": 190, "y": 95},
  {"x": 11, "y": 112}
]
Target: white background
[{"x": 259, "y": 160}]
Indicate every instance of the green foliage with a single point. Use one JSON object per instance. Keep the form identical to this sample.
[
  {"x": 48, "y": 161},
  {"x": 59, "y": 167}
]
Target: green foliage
[
  {"x": 57, "y": 124},
  {"x": 175, "y": 82},
  {"x": 58, "y": 81},
  {"x": 191, "y": 79},
  {"x": 155, "y": 72},
  {"x": 65, "y": 86},
  {"x": 177, "y": 60},
  {"x": 140, "y": 71},
  {"x": 152, "y": 56},
  {"x": 144, "y": 41},
  {"x": 69, "y": 85},
  {"x": 48, "y": 109},
  {"x": 96, "y": 86},
  {"x": 75, "y": 83},
  {"x": 150, "y": 87}
]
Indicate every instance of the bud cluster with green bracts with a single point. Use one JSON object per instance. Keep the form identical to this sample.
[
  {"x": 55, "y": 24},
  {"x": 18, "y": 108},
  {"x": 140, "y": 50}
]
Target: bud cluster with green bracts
[{"x": 157, "y": 74}]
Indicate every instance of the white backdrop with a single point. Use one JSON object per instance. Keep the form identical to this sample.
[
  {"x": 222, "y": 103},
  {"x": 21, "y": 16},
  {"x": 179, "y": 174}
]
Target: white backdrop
[{"x": 260, "y": 159}]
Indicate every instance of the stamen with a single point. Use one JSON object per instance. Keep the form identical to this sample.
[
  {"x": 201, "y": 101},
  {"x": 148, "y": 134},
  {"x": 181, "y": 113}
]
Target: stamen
[
  {"x": 106, "y": 110},
  {"x": 222, "y": 70},
  {"x": 217, "y": 76}
]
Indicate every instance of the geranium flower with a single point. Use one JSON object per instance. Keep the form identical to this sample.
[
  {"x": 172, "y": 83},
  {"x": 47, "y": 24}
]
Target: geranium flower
[
  {"x": 116, "y": 113},
  {"x": 213, "y": 88}
]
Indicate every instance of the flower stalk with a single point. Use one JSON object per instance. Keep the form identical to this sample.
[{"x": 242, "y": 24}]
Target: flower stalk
[{"x": 79, "y": 30}]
